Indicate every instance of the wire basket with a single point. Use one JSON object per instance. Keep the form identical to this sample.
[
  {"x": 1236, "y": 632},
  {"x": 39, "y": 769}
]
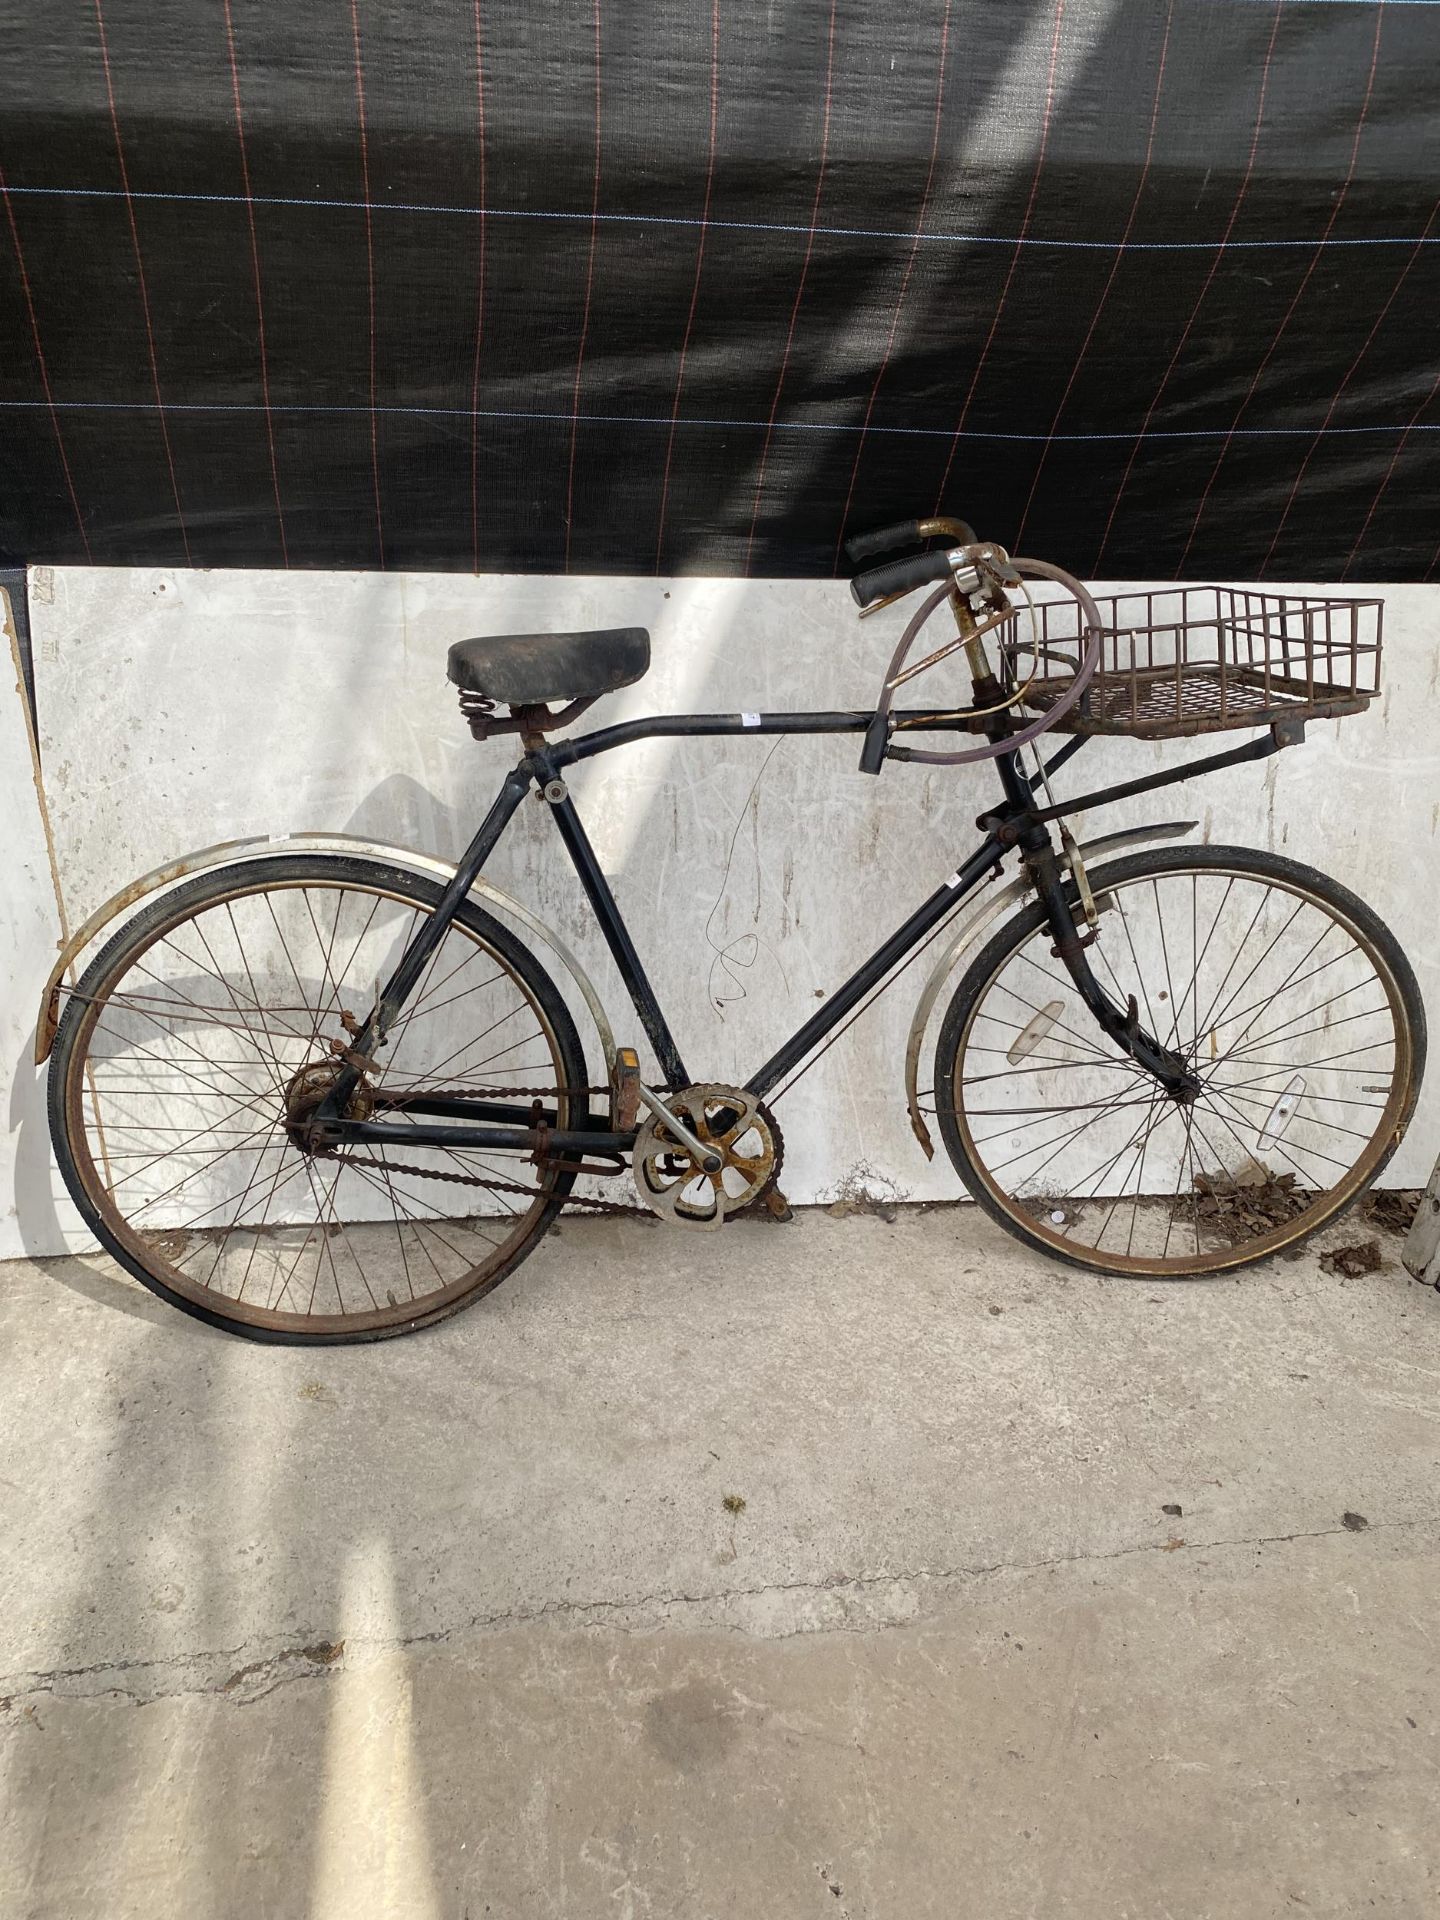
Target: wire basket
[{"x": 1187, "y": 660}]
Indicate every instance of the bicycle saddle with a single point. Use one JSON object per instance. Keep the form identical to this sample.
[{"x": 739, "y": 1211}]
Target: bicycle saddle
[{"x": 523, "y": 669}]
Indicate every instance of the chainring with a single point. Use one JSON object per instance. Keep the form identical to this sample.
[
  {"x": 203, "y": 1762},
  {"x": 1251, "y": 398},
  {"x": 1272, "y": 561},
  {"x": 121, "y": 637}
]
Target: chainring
[{"x": 738, "y": 1126}]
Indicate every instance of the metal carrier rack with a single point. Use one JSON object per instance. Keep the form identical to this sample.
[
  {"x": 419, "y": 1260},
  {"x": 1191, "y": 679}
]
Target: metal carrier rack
[{"x": 1187, "y": 660}]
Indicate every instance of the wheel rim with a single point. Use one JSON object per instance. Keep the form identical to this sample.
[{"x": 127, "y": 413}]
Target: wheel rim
[
  {"x": 1293, "y": 1022},
  {"x": 192, "y": 1054}
]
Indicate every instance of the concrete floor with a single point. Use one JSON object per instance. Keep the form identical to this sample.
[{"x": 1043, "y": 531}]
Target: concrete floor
[{"x": 1049, "y": 1596}]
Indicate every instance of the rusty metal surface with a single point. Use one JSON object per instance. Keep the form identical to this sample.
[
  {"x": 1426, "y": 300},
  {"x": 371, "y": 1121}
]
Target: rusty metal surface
[
  {"x": 625, "y": 1090},
  {"x": 479, "y": 713},
  {"x": 1181, "y": 661},
  {"x": 257, "y": 847},
  {"x": 665, "y": 1166}
]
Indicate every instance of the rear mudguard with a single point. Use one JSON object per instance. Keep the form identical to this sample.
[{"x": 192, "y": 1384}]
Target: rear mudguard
[
  {"x": 226, "y": 851},
  {"x": 997, "y": 901}
]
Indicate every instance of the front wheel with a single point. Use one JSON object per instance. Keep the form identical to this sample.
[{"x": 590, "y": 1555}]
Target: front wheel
[
  {"x": 1292, "y": 1004},
  {"x": 202, "y": 1037}
]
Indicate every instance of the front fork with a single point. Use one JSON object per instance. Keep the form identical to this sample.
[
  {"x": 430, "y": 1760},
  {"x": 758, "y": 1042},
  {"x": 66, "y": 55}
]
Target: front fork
[{"x": 1122, "y": 1025}]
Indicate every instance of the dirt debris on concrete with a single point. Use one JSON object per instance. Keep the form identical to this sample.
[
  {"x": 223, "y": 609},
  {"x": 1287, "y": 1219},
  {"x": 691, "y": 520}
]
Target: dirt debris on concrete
[
  {"x": 1354, "y": 1261},
  {"x": 318, "y": 1654},
  {"x": 864, "y": 1189},
  {"x": 1238, "y": 1208},
  {"x": 1393, "y": 1209}
]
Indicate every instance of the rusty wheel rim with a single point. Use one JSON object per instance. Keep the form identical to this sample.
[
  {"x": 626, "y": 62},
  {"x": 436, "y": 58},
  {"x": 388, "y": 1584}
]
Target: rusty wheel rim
[
  {"x": 1208, "y": 1211},
  {"x": 258, "y": 1267}
]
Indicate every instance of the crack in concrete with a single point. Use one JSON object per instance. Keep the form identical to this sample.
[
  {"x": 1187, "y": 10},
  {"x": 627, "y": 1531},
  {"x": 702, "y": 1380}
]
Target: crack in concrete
[{"x": 265, "y": 1673}]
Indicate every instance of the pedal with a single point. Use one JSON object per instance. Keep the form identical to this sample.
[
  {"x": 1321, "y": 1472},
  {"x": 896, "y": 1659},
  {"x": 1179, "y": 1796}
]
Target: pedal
[{"x": 625, "y": 1089}]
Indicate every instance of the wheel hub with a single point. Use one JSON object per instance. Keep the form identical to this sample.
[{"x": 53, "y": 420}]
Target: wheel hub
[{"x": 307, "y": 1092}]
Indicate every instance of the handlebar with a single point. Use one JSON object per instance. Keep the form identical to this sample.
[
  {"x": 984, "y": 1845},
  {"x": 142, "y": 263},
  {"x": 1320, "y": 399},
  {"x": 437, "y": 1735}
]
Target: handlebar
[
  {"x": 899, "y": 576},
  {"x": 864, "y": 546},
  {"x": 1090, "y": 638},
  {"x": 908, "y": 533}
]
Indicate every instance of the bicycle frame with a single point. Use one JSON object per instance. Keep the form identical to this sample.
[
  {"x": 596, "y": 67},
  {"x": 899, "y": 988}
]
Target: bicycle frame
[{"x": 1016, "y": 825}]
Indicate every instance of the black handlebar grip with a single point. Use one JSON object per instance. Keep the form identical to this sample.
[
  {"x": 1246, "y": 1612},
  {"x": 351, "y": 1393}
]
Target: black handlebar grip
[
  {"x": 898, "y": 576},
  {"x": 864, "y": 546}
]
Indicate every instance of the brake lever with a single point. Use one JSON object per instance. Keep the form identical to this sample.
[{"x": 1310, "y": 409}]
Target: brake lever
[{"x": 878, "y": 606}]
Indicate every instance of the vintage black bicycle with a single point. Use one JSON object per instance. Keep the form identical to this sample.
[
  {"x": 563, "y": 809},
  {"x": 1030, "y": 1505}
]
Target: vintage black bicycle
[{"x": 310, "y": 1093}]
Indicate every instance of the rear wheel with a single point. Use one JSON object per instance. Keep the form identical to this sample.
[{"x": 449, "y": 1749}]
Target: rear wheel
[
  {"x": 205, "y": 1032},
  {"x": 1292, "y": 1004}
]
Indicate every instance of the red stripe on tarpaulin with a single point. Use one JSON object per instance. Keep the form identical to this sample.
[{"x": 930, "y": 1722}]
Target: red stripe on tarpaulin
[
  {"x": 140, "y": 281},
  {"x": 44, "y": 368},
  {"x": 904, "y": 285},
  {"x": 585, "y": 315},
  {"x": 800, "y": 289},
  {"x": 1243, "y": 189},
  {"x": 255, "y": 270},
  {"x": 479, "y": 299},
  {"x": 1015, "y": 256},
  {"x": 1121, "y": 244},
  {"x": 1389, "y": 473},
  {"x": 695, "y": 284},
  {"x": 369, "y": 276},
  {"x": 1345, "y": 380},
  {"x": 1298, "y": 295}
]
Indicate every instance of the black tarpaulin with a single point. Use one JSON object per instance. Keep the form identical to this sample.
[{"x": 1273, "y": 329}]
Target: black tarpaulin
[{"x": 1145, "y": 288}]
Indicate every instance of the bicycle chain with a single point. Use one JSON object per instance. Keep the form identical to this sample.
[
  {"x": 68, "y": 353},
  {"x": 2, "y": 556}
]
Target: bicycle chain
[
  {"x": 491, "y": 1186},
  {"x": 572, "y": 1199},
  {"x": 475, "y": 1180}
]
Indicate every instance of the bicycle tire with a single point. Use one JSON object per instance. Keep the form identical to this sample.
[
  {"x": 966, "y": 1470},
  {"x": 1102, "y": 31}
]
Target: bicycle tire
[
  {"x": 71, "y": 1059},
  {"x": 1022, "y": 1219}
]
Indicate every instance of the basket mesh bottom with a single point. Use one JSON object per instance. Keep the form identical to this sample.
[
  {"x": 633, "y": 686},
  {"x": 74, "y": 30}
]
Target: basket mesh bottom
[{"x": 1199, "y": 698}]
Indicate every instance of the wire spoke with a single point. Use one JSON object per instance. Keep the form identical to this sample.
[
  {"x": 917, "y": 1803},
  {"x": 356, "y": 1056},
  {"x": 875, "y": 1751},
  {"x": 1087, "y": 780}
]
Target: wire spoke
[
  {"x": 1211, "y": 948},
  {"x": 1059, "y": 1142},
  {"x": 1202, "y": 1026},
  {"x": 1217, "y": 1018},
  {"x": 1325, "y": 1026},
  {"x": 199, "y": 1127},
  {"x": 1257, "y": 1005},
  {"x": 1277, "y": 1146}
]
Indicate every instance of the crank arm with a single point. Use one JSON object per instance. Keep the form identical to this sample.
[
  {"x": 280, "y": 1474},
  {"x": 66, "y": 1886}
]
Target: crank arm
[{"x": 706, "y": 1158}]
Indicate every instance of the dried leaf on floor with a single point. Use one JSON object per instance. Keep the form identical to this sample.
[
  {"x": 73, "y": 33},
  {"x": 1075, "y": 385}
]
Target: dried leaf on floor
[
  {"x": 1353, "y": 1261},
  {"x": 1239, "y": 1207},
  {"x": 1395, "y": 1209}
]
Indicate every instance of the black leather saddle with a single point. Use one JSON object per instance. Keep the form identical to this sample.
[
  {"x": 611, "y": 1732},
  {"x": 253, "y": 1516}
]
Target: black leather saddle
[{"x": 525, "y": 669}]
